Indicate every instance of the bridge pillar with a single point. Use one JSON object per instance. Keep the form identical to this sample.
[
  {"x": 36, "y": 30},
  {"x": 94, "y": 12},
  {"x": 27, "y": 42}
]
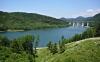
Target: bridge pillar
[
  {"x": 73, "y": 24},
  {"x": 87, "y": 24},
  {"x": 82, "y": 24}
]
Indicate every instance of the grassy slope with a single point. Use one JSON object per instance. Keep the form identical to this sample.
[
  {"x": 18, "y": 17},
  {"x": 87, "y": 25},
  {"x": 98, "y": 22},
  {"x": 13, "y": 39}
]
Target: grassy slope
[{"x": 87, "y": 50}]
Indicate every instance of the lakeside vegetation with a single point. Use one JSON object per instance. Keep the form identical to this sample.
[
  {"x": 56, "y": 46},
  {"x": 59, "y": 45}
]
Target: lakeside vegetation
[
  {"x": 89, "y": 33},
  {"x": 18, "y": 50},
  {"x": 23, "y": 49},
  {"x": 28, "y": 21},
  {"x": 74, "y": 49}
]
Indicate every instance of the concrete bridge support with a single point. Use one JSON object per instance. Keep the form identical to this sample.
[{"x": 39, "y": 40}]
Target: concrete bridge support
[
  {"x": 82, "y": 24},
  {"x": 73, "y": 24},
  {"x": 79, "y": 24},
  {"x": 87, "y": 24}
]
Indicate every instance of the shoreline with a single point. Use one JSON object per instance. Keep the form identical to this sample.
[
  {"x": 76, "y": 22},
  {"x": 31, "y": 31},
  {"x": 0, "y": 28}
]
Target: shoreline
[
  {"x": 12, "y": 30},
  {"x": 38, "y": 48},
  {"x": 9, "y": 30}
]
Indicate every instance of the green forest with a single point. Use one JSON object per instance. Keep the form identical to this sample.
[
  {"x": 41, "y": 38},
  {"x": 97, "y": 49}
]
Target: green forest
[
  {"x": 22, "y": 49},
  {"x": 28, "y": 21}
]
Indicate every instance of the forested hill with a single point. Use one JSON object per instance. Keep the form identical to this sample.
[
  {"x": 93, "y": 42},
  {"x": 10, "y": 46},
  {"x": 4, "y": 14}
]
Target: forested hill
[
  {"x": 95, "y": 19},
  {"x": 28, "y": 21}
]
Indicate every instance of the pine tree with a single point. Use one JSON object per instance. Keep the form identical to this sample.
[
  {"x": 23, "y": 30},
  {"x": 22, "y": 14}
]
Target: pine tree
[
  {"x": 55, "y": 48},
  {"x": 98, "y": 30},
  {"x": 59, "y": 42},
  {"x": 49, "y": 45},
  {"x": 35, "y": 45},
  {"x": 62, "y": 47},
  {"x": 52, "y": 47}
]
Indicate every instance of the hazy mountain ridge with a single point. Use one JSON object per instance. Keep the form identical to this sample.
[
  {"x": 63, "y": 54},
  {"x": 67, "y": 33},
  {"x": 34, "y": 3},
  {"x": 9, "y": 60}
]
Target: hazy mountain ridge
[
  {"x": 80, "y": 18},
  {"x": 95, "y": 18}
]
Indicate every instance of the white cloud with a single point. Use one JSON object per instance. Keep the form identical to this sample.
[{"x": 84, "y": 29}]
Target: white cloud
[
  {"x": 87, "y": 13},
  {"x": 90, "y": 10}
]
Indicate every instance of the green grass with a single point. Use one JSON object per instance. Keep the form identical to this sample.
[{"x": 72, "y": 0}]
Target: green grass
[{"x": 87, "y": 50}]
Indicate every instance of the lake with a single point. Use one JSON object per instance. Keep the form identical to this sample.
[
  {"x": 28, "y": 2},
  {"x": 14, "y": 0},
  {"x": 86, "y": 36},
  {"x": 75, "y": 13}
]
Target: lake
[{"x": 47, "y": 35}]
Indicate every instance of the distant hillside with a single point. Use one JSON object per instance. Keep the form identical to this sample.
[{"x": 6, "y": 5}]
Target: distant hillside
[
  {"x": 87, "y": 50},
  {"x": 80, "y": 18},
  {"x": 95, "y": 19},
  {"x": 64, "y": 19},
  {"x": 28, "y": 21}
]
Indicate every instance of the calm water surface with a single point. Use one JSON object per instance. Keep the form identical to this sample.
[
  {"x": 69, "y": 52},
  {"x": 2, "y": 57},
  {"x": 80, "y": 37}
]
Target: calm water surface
[{"x": 47, "y": 35}]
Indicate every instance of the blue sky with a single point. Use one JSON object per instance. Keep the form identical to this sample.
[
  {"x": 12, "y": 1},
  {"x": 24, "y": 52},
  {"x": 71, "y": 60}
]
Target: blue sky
[{"x": 53, "y": 8}]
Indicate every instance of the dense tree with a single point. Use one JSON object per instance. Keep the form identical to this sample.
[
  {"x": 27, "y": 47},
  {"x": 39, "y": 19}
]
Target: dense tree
[
  {"x": 89, "y": 33},
  {"x": 62, "y": 47},
  {"x": 98, "y": 29},
  {"x": 55, "y": 48},
  {"x": 15, "y": 46},
  {"x": 52, "y": 47},
  {"x": 27, "y": 44},
  {"x": 4, "y": 42},
  {"x": 4, "y": 53},
  {"x": 18, "y": 50},
  {"x": 93, "y": 32},
  {"x": 49, "y": 45}
]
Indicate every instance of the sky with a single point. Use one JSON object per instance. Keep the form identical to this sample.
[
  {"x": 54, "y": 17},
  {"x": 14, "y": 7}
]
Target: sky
[{"x": 53, "y": 8}]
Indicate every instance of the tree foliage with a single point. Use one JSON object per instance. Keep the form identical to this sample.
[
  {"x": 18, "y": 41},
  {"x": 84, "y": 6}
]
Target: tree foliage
[
  {"x": 27, "y": 44},
  {"x": 15, "y": 46},
  {"x": 4, "y": 42},
  {"x": 62, "y": 45},
  {"x": 52, "y": 47},
  {"x": 18, "y": 50},
  {"x": 98, "y": 30}
]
